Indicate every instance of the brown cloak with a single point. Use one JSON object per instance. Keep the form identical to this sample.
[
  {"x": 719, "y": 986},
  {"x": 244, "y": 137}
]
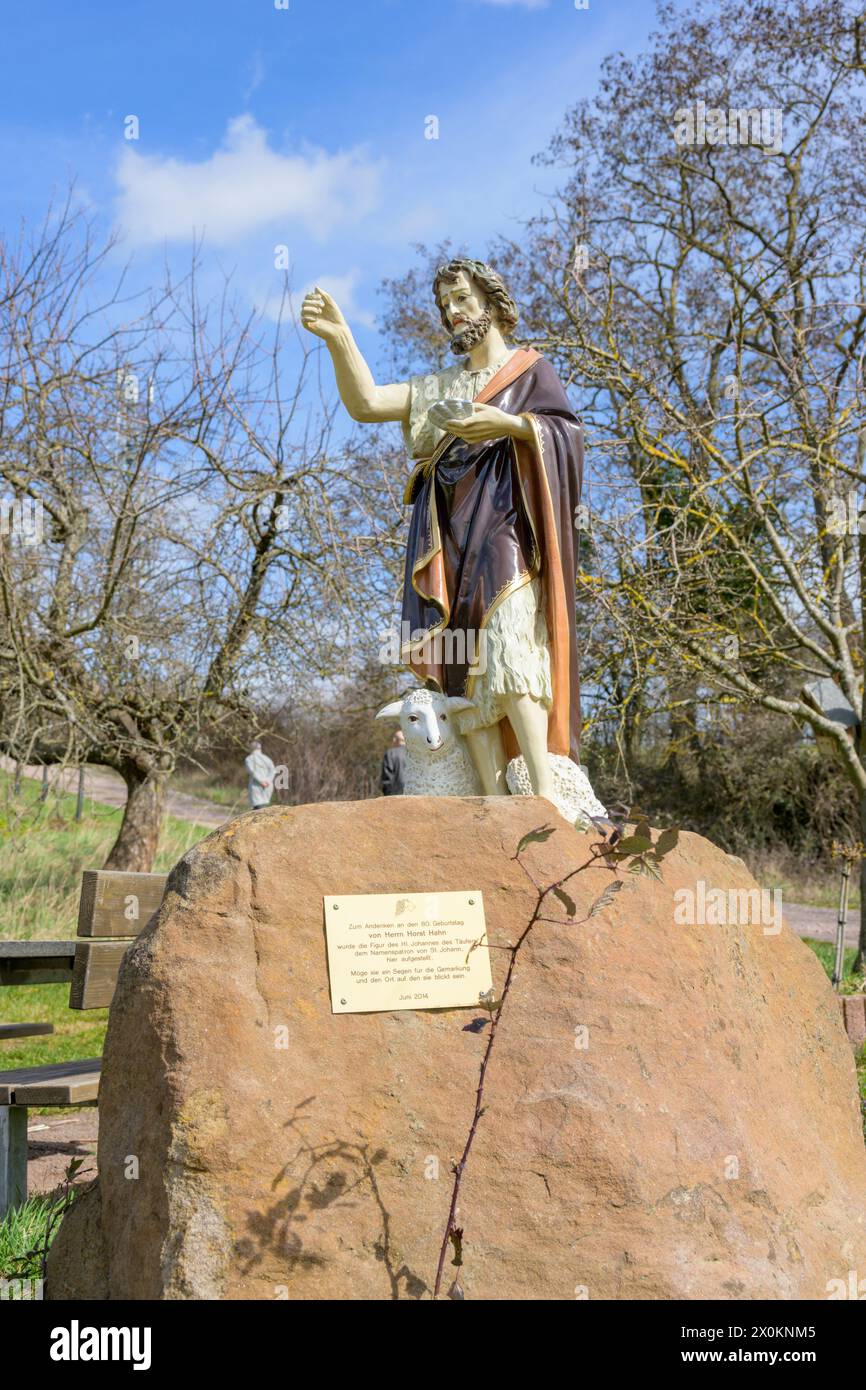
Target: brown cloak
[{"x": 486, "y": 519}]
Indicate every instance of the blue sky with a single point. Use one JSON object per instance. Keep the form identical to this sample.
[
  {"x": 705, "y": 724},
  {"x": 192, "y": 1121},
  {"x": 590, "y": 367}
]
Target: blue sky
[{"x": 302, "y": 126}]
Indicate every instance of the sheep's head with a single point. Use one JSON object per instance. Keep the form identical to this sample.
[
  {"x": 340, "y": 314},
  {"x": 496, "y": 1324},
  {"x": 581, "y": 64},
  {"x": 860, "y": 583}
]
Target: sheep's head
[{"x": 426, "y": 718}]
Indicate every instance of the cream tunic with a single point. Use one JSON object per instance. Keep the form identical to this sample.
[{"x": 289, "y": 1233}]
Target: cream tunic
[{"x": 514, "y": 644}]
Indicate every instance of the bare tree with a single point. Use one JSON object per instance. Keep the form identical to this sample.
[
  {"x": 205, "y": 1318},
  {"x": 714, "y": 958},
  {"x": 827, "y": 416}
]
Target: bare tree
[
  {"x": 702, "y": 277},
  {"x": 182, "y": 530}
]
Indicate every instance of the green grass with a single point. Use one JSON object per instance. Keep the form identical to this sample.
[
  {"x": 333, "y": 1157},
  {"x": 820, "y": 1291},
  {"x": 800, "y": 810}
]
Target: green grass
[
  {"x": 77, "y": 1032},
  {"x": 42, "y": 854},
  {"x": 44, "y": 851},
  {"x": 826, "y": 953},
  {"x": 26, "y": 1233},
  {"x": 211, "y": 786}
]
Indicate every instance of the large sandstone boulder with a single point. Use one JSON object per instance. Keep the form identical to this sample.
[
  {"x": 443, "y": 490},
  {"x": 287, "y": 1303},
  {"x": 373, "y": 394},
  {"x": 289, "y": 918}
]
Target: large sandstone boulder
[{"x": 706, "y": 1141}]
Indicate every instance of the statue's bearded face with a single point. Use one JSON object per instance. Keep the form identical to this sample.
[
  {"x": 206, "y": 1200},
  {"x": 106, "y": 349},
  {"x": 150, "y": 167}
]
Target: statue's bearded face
[{"x": 466, "y": 313}]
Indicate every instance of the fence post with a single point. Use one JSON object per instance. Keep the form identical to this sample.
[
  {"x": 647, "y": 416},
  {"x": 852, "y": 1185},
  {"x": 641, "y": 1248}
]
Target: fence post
[
  {"x": 43, "y": 795},
  {"x": 79, "y": 805}
]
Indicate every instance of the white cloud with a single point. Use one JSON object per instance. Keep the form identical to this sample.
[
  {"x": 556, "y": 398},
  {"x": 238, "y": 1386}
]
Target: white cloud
[
  {"x": 269, "y": 301},
  {"x": 256, "y": 75},
  {"x": 242, "y": 187},
  {"x": 342, "y": 288}
]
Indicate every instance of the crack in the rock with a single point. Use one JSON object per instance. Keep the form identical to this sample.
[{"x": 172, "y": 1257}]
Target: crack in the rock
[{"x": 543, "y": 1177}]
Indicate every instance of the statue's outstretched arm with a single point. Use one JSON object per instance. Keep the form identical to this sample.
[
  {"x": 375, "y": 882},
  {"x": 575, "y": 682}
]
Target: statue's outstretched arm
[{"x": 363, "y": 399}]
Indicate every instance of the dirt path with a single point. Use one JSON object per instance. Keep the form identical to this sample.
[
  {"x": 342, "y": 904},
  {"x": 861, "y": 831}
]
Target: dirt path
[
  {"x": 53, "y": 1141},
  {"x": 820, "y": 922},
  {"x": 105, "y": 786}
]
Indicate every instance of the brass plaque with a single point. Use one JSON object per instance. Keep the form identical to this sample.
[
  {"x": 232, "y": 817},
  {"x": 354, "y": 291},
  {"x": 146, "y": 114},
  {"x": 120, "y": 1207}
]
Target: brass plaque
[{"x": 392, "y": 951}]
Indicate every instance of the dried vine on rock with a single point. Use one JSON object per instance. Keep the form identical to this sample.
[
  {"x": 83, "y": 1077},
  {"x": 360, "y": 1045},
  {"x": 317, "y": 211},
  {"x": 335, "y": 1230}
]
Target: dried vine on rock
[{"x": 644, "y": 857}]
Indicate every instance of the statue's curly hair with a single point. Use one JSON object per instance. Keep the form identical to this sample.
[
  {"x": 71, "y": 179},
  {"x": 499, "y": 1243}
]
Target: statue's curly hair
[{"x": 488, "y": 279}]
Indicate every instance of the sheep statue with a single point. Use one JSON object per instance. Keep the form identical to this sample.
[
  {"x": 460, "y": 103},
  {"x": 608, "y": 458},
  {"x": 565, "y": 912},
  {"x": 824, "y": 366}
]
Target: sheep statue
[{"x": 438, "y": 761}]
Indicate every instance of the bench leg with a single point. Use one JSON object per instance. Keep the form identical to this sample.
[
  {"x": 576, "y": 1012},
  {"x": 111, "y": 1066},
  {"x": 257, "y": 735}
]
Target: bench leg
[{"x": 13, "y": 1157}]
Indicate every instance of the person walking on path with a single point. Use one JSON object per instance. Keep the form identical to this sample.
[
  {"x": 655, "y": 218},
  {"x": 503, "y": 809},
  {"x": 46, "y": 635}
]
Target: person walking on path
[
  {"x": 393, "y": 776},
  {"x": 261, "y": 776}
]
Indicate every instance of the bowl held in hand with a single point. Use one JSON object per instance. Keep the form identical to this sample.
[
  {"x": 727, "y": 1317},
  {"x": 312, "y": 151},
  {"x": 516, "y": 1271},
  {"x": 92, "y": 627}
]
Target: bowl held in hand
[{"x": 441, "y": 412}]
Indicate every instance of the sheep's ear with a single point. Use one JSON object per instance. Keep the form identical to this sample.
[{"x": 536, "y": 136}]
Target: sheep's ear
[
  {"x": 457, "y": 703},
  {"x": 392, "y": 711}
]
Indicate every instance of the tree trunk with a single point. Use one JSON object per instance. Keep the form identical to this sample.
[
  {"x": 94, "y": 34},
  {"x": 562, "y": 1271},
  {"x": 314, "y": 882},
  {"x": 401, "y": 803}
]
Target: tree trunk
[
  {"x": 135, "y": 848},
  {"x": 860, "y": 959},
  {"x": 683, "y": 738}
]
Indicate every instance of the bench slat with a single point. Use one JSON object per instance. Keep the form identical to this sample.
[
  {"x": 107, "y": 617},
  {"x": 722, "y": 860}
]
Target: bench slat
[
  {"x": 94, "y": 977},
  {"x": 24, "y": 1030},
  {"x": 36, "y": 962},
  {"x": 57, "y": 1083},
  {"x": 32, "y": 950},
  {"x": 118, "y": 904},
  {"x": 77, "y": 1090}
]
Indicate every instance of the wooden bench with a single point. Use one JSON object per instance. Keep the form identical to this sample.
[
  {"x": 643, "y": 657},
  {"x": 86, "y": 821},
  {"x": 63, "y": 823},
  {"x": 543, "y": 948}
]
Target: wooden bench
[{"x": 113, "y": 909}]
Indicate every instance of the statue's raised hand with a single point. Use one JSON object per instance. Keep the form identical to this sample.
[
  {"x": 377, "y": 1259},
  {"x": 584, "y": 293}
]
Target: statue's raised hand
[{"x": 321, "y": 314}]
